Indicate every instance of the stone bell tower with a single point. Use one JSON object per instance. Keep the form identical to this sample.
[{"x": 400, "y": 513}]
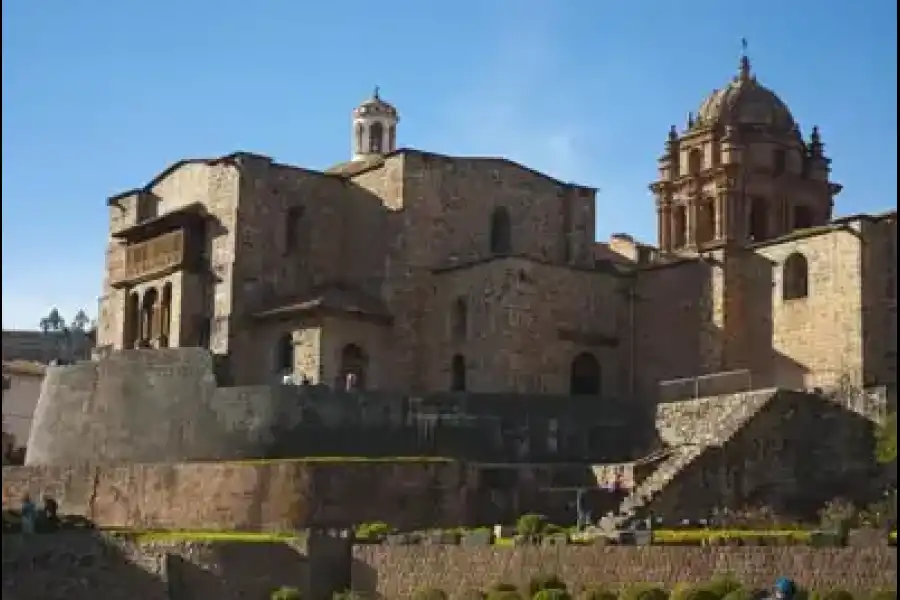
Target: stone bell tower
[
  {"x": 374, "y": 127},
  {"x": 740, "y": 171}
]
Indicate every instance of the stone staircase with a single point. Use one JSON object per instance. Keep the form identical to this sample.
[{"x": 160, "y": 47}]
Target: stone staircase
[{"x": 715, "y": 432}]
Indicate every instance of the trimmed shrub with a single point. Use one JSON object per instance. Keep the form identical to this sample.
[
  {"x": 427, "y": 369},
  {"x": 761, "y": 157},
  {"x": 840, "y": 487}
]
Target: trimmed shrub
[
  {"x": 599, "y": 594},
  {"x": 503, "y": 586},
  {"x": 531, "y": 525},
  {"x": 545, "y": 581},
  {"x": 347, "y": 595},
  {"x": 883, "y": 595},
  {"x": 373, "y": 531},
  {"x": 286, "y": 593},
  {"x": 429, "y": 594},
  {"x": 720, "y": 587},
  {"x": 551, "y": 594},
  {"x": 644, "y": 591},
  {"x": 680, "y": 591},
  {"x": 471, "y": 594}
]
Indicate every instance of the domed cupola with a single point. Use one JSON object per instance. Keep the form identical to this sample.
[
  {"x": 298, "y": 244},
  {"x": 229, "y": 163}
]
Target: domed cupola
[
  {"x": 374, "y": 127},
  {"x": 744, "y": 101}
]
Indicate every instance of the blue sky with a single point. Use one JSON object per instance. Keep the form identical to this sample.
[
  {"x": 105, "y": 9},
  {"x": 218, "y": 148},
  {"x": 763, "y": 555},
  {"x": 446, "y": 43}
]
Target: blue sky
[{"x": 98, "y": 96}]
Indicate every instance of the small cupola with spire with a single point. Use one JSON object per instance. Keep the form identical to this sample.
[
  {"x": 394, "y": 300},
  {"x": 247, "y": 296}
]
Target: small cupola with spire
[{"x": 374, "y": 127}]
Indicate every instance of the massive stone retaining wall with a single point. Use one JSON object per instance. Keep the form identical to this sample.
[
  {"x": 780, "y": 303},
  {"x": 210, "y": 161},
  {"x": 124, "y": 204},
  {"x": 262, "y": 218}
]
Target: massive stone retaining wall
[
  {"x": 87, "y": 566},
  {"x": 456, "y": 569},
  {"x": 276, "y": 496},
  {"x": 140, "y": 406},
  {"x": 286, "y": 494}
]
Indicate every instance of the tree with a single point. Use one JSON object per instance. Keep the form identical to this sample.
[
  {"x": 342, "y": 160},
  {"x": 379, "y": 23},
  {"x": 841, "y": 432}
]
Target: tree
[
  {"x": 53, "y": 321},
  {"x": 81, "y": 322},
  {"x": 886, "y": 440}
]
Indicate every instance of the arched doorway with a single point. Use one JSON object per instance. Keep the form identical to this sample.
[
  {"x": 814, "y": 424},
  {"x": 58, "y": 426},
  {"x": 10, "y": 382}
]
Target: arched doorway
[
  {"x": 132, "y": 320},
  {"x": 585, "y": 377},
  {"x": 354, "y": 363},
  {"x": 149, "y": 318}
]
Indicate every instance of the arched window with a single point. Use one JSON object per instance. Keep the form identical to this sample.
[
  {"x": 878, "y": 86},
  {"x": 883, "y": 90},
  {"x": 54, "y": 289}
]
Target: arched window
[
  {"x": 458, "y": 373},
  {"x": 392, "y": 138},
  {"x": 376, "y": 135},
  {"x": 695, "y": 161},
  {"x": 284, "y": 355},
  {"x": 706, "y": 220},
  {"x": 500, "y": 231},
  {"x": 354, "y": 363},
  {"x": 679, "y": 227},
  {"x": 795, "y": 277},
  {"x": 459, "y": 325},
  {"x": 584, "y": 379}
]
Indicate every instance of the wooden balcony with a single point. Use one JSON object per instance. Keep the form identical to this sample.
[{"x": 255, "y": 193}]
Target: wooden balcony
[{"x": 152, "y": 259}]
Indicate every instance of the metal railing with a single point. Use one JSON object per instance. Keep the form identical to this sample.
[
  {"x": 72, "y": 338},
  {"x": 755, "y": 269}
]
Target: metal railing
[{"x": 703, "y": 386}]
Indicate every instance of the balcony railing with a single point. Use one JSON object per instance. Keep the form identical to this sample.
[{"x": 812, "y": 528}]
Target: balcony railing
[{"x": 153, "y": 257}]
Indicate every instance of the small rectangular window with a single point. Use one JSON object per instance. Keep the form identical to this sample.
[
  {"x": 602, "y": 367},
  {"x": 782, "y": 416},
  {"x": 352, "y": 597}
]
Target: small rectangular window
[{"x": 292, "y": 229}]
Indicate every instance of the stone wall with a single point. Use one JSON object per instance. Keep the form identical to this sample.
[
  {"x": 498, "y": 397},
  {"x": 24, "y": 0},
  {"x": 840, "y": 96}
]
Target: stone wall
[
  {"x": 798, "y": 451},
  {"x": 401, "y": 570},
  {"x": 85, "y": 566},
  {"x": 283, "y": 495},
  {"x": 280, "y": 496},
  {"x": 165, "y": 406}
]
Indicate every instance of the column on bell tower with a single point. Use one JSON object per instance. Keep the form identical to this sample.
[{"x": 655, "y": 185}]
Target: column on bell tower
[{"x": 669, "y": 172}]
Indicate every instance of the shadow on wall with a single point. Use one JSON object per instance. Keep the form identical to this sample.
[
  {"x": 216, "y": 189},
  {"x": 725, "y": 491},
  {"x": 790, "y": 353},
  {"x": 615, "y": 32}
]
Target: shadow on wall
[
  {"x": 87, "y": 565},
  {"x": 237, "y": 570},
  {"x": 165, "y": 406},
  {"x": 76, "y": 566},
  {"x": 721, "y": 341}
]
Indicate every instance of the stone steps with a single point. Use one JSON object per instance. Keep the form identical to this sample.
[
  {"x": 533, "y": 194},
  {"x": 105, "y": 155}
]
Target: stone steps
[{"x": 682, "y": 456}]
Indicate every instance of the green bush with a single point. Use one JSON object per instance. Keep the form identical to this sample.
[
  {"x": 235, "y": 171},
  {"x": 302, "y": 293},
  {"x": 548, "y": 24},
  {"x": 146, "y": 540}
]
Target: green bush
[
  {"x": 599, "y": 593},
  {"x": 644, "y": 591},
  {"x": 883, "y": 595},
  {"x": 545, "y": 581},
  {"x": 837, "y": 594},
  {"x": 347, "y": 595},
  {"x": 286, "y": 593},
  {"x": 551, "y": 594},
  {"x": 503, "y": 586},
  {"x": 531, "y": 525},
  {"x": 720, "y": 587},
  {"x": 429, "y": 594},
  {"x": 471, "y": 594},
  {"x": 371, "y": 531}
]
